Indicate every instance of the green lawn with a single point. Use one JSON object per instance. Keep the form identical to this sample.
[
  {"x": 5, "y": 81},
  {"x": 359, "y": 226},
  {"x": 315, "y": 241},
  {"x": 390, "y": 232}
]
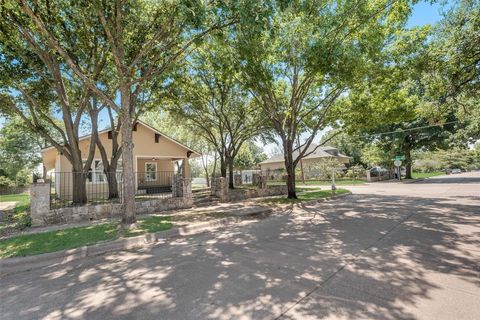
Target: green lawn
[
  {"x": 341, "y": 182},
  {"x": 149, "y": 225},
  {"x": 31, "y": 244},
  {"x": 20, "y": 219},
  {"x": 305, "y": 194},
  {"x": 422, "y": 175}
]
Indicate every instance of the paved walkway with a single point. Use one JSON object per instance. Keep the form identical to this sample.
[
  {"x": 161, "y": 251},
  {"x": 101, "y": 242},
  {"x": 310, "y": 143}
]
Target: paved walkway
[
  {"x": 7, "y": 205},
  {"x": 402, "y": 251}
]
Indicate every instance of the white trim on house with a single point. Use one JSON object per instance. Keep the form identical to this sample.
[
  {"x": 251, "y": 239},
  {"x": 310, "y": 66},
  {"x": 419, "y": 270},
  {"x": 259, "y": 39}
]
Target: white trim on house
[{"x": 95, "y": 172}]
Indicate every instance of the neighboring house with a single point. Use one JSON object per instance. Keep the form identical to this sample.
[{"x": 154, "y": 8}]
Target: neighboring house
[
  {"x": 157, "y": 158},
  {"x": 319, "y": 155}
]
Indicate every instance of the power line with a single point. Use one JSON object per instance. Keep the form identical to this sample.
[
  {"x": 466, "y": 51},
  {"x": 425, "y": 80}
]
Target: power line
[{"x": 411, "y": 129}]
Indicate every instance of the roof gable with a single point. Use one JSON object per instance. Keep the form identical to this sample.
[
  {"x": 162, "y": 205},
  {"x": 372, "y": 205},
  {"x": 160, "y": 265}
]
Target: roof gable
[
  {"x": 316, "y": 153},
  {"x": 148, "y": 127}
]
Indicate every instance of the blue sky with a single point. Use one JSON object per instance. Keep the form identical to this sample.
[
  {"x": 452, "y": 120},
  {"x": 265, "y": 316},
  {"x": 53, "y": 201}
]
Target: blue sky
[{"x": 426, "y": 13}]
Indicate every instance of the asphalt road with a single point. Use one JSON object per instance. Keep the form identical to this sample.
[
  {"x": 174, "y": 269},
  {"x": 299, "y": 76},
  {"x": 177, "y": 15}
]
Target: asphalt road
[{"x": 390, "y": 251}]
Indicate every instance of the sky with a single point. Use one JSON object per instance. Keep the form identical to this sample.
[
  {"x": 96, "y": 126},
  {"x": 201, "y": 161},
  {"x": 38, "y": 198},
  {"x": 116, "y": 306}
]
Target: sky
[{"x": 423, "y": 13}]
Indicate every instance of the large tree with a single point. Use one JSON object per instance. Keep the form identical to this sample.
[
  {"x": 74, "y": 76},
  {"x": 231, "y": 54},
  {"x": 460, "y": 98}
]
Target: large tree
[
  {"x": 300, "y": 59},
  {"x": 451, "y": 79},
  {"x": 37, "y": 86},
  {"x": 212, "y": 100},
  {"x": 142, "y": 41}
]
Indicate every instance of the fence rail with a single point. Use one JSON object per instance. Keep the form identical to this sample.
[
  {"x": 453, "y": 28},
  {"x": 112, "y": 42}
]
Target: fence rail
[{"x": 68, "y": 189}]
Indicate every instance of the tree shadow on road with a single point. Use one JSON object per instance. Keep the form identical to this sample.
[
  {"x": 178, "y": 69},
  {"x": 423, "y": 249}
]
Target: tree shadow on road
[{"x": 367, "y": 256}]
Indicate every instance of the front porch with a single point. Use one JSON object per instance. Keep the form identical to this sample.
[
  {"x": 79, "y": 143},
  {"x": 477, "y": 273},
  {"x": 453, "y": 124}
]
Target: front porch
[{"x": 155, "y": 175}]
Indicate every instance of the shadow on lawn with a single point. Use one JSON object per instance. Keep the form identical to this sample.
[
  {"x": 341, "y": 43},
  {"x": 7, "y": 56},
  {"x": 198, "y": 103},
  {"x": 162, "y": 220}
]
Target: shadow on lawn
[{"x": 259, "y": 270}]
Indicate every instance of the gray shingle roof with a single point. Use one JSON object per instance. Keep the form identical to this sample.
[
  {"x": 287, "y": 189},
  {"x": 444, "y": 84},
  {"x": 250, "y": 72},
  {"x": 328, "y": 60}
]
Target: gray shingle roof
[{"x": 320, "y": 152}]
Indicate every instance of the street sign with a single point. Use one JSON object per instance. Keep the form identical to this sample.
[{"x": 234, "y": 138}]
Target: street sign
[
  {"x": 397, "y": 163},
  {"x": 399, "y": 157}
]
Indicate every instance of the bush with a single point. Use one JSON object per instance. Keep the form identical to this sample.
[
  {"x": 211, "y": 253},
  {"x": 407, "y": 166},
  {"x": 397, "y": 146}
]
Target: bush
[{"x": 6, "y": 182}]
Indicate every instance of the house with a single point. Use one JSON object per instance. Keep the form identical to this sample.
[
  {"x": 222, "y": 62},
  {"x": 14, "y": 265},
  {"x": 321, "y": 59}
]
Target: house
[
  {"x": 315, "y": 156},
  {"x": 157, "y": 157}
]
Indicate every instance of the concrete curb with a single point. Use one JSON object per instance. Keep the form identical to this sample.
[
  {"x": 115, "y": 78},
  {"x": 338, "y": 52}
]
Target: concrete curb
[{"x": 20, "y": 264}]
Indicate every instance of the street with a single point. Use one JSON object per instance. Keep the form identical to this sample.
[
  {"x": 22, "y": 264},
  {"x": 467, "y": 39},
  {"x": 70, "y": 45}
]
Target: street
[{"x": 389, "y": 251}]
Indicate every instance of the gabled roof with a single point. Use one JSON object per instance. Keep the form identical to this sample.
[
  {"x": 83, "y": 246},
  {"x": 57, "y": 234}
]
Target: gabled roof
[
  {"x": 318, "y": 152},
  {"x": 88, "y": 136}
]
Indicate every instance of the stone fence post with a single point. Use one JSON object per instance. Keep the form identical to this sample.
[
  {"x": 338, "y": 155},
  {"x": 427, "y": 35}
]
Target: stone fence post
[
  {"x": 39, "y": 202},
  {"x": 181, "y": 187},
  {"x": 187, "y": 187},
  {"x": 219, "y": 187},
  {"x": 262, "y": 182}
]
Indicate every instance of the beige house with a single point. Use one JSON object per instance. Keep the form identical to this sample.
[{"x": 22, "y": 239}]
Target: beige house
[
  {"x": 157, "y": 158},
  {"x": 315, "y": 156}
]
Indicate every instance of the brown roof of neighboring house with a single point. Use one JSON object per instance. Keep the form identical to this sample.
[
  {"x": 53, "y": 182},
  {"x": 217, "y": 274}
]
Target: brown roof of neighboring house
[{"x": 318, "y": 152}]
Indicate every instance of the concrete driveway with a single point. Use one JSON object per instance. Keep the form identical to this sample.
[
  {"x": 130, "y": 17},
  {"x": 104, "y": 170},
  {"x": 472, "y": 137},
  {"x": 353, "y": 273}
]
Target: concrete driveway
[{"x": 390, "y": 251}]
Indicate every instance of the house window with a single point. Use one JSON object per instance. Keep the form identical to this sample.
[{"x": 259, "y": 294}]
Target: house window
[
  {"x": 150, "y": 171},
  {"x": 96, "y": 173}
]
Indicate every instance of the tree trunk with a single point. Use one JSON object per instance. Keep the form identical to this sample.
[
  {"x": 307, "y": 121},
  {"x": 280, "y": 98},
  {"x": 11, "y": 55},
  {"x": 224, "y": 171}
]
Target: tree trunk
[
  {"x": 79, "y": 187},
  {"x": 230, "y": 173},
  {"x": 289, "y": 166},
  {"x": 128, "y": 195},
  {"x": 112, "y": 183},
  {"x": 408, "y": 164},
  {"x": 223, "y": 167},
  {"x": 207, "y": 177}
]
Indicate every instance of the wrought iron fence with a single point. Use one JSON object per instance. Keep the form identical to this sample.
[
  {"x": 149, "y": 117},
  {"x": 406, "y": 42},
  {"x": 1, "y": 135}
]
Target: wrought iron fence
[
  {"x": 70, "y": 189},
  {"x": 154, "y": 184}
]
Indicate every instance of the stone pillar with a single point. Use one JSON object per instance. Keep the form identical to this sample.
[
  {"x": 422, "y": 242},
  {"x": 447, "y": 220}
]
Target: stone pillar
[
  {"x": 39, "y": 202},
  {"x": 238, "y": 180},
  {"x": 262, "y": 182},
  {"x": 187, "y": 187},
  {"x": 219, "y": 187},
  {"x": 255, "y": 178},
  {"x": 186, "y": 170},
  {"x": 181, "y": 187}
]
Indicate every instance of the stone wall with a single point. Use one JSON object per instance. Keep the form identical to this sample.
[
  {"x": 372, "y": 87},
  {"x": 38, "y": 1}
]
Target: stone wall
[
  {"x": 41, "y": 213},
  {"x": 242, "y": 194},
  {"x": 220, "y": 190}
]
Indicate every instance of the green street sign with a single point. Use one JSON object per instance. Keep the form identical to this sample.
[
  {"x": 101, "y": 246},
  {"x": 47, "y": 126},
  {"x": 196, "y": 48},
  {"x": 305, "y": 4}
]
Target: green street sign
[{"x": 399, "y": 157}]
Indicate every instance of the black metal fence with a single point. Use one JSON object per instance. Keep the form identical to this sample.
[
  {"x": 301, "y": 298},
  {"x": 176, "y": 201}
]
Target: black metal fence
[{"x": 70, "y": 189}]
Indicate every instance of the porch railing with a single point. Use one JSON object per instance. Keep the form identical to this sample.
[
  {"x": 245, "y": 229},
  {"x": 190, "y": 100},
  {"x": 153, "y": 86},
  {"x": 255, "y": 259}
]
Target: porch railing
[{"x": 68, "y": 189}]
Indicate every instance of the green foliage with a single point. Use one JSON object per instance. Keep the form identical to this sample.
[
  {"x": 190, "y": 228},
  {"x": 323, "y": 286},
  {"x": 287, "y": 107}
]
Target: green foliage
[
  {"x": 6, "y": 182},
  {"x": 439, "y": 160},
  {"x": 19, "y": 148},
  {"x": 249, "y": 156}
]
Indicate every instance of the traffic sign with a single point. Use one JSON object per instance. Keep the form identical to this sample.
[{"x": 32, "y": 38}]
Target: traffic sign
[
  {"x": 399, "y": 157},
  {"x": 397, "y": 163}
]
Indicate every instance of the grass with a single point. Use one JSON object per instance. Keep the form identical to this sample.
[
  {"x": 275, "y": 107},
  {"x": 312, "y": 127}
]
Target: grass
[
  {"x": 422, "y": 175},
  {"x": 340, "y": 182},
  {"x": 305, "y": 194},
  {"x": 20, "y": 218},
  {"x": 31, "y": 244},
  {"x": 149, "y": 225}
]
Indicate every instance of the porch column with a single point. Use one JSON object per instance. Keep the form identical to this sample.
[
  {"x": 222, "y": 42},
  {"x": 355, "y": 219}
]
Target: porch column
[{"x": 186, "y": 170}]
